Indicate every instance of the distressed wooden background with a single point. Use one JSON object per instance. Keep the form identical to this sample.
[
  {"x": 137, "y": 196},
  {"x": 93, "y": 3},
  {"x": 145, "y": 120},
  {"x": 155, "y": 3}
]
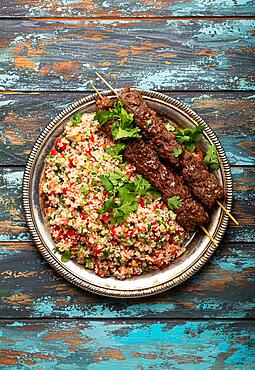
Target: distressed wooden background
[{"x": 198, "y": 51}]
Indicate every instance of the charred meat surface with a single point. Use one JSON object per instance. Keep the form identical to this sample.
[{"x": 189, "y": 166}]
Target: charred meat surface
[
  {"x": 151, "y": 125},
  {"x": 147, "y": 163}
]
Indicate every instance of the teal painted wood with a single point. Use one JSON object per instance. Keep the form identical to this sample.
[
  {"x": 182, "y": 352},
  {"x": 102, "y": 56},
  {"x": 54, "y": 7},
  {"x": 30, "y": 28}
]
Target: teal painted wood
[
  {"x": 124, "y": 8},
  {"x": 13, "y": 227},
  {"x": 151, "y": 54},
  {"x": 231, "y": 115},
  {"x": 224, "y": 288},
  {"x": 128, "y": 345}
]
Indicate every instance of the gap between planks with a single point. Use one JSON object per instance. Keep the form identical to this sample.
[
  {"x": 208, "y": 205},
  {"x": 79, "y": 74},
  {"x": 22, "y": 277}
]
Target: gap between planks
[
  {"x": 123, "y": 18},
  {"x": 123, "y": 320}
]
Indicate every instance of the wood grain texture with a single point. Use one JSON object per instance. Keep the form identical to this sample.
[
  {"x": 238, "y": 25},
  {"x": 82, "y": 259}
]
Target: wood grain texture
[
  {"x": 124, "y": 8},
  {"x": 156, "y": 54},
  {"x": 31, "y": 288},
  {"x": 13, "y": 227},
  {"x": 127, "y": 345},
  {"x": 231, "y": 115}
]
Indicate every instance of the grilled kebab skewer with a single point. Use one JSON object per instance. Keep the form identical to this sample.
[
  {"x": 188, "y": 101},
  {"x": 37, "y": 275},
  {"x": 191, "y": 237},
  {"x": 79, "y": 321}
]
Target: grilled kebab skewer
[
  {"x": 203, "y": 184},
  {"x": 147, "y": 163}
]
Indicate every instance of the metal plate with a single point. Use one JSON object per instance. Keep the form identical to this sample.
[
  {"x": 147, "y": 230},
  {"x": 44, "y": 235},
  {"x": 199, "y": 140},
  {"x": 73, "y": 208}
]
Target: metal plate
[{"x": 199, "y": 247}]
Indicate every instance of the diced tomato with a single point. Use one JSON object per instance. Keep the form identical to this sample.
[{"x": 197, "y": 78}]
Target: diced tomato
[
  {"x": 55, "y": 228},
  {"x": 160, "y": 263},
  {"x": 60, "y": 146},
  {"x": 71, "y": 162},
  {"x": 97, "y": 250},
  {"x": 52, "y": 193},
  {"x": 92, "y": 139},
  {"x": 83, "y": 216},
  {"x": 142, "y": 203},
  {"x": 143, "y": 230},
  {"x": 70, "y": 233},
  {"x": 113, "y": 231},
  {"x": 88, "y": 152},
  {"x": 95, "y": 196},
  {"x": 64, "y": 191},
  {"x": 105, "y": 219},
  {"x": 53, "y": 152},
  {"x": 131, "y": 233}
]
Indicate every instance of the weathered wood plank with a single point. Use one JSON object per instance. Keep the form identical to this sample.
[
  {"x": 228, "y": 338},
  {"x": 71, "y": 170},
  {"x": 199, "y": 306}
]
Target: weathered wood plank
[
  {"x": 231, "y": 115},
  {"x": 117, "y": 8},
  {"x": 13, "y": 228},
  {"x": 128, "y": 345},
  {"x": 154, "y": 54},
  {"x": 31, "y": 288}
]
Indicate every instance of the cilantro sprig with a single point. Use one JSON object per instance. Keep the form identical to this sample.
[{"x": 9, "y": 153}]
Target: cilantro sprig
[
  {"x": 118, "y": 185},
  {"x": 123, "y": 122},
  {"x": 188, "y": 137},
  {"x": 211, "y": 159},
  {"x": 174, "y": 202},
  {"x": 76, "y": 119},
  {"x": 177, "y": 152}
]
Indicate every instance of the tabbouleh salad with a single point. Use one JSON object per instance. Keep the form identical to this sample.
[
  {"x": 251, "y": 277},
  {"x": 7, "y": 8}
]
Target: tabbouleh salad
[{"x": 100, "y": 212}]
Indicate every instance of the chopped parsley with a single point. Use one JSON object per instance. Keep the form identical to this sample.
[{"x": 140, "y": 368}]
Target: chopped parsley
[
  {"x": 211, "y": 159},
  {"x": 177, "y": 152},
  {"x": 66, "y": 256},
  {"x": 122, "y": 127},
  {"x": 118, "y": 185},
  {"x": 188, "y": 137},
  {"x": 116, "y": 150},
  {"x": 76, "y": 119},
  {"x": 174, "y": 202}
]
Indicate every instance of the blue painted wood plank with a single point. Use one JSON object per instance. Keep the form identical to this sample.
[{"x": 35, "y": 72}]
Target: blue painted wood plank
[
  {"x": 224, "y": 288},
  {"x": 127, "y": 345},
  {"x": 124, "y": 8},
  {"x": 151, "y": 54},
  {"x": 231, "y": 115}
]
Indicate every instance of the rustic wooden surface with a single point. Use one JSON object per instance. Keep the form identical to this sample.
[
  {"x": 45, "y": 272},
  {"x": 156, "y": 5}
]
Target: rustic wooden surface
[
  {"x": 125, "y": 8},
  {"x": 61, "y": 55},
  {"x": 200, "y": 52}
]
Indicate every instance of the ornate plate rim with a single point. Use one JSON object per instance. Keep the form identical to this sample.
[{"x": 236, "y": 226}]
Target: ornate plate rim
[{"x": 183, "y": 108}]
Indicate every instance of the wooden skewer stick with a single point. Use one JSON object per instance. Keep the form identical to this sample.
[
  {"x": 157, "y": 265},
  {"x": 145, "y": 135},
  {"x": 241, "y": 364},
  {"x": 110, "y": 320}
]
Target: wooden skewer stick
[
  {"x": 208, "y": 234},
  {"x": 228, "y": 213},
  {"x": 94, "y": 87},
  {"x": 116, "y": 93},
  {"x": 107, "y": 84}
]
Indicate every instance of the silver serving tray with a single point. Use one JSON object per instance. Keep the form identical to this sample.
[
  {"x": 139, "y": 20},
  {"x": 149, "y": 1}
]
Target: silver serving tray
[{"x": 199, "y": 247}]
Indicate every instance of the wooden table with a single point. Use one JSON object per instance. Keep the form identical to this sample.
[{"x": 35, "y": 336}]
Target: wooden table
[{"x": 201, "y": 52}]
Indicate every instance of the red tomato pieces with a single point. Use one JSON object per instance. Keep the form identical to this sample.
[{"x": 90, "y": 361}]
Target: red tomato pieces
[
  {"x": 83, "y": 216},
  {"x": 60, "y": 146},
  {"x": 53, "y": 152},
  {"x": 113, "y": 231},
  {"x": 105, "y": 219}
]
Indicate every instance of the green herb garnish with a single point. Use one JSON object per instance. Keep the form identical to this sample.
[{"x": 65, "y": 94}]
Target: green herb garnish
[
  {"x": 122, "y": 127},
  {"x": 116, "y": 150},
  {"x": 211, "y": 159},
  {"x": 66, "y": 256},
  {"x": 174, "y": 202},
  {"x": 118, "y": 185},
  {"x": 76, "y": 119},
  {"x": 177, "y": 152},
  {"x": 189, "y": 137}
]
